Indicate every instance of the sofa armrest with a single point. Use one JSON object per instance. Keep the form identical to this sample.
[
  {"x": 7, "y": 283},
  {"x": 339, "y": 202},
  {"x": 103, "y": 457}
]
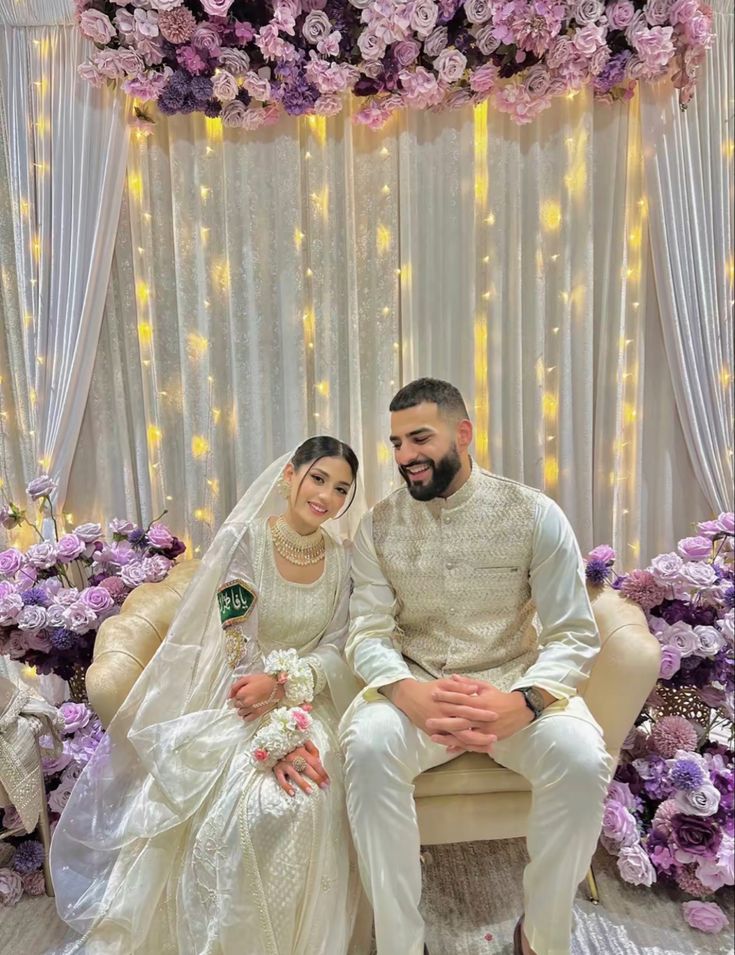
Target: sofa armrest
[
  {"x": 626, "y": 668},
  {"x": 126, "y": 642}
]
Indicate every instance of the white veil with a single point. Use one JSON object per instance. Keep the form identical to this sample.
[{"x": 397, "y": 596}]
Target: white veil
[{"x": 167, "y": 744}]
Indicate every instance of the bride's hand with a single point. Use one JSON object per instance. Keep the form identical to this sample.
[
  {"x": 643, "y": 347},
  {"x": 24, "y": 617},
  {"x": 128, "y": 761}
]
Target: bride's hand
[
  {"x": 306, "y": 757},
  {"x": 255, "y": 694}
]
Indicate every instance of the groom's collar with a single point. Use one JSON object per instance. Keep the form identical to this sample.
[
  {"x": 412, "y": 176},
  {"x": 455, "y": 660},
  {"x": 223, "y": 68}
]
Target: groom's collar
[{"x": 460, "y": 497}]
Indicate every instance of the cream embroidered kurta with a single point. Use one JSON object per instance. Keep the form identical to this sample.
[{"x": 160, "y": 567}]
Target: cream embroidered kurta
[{"x": 488, "y": 582}]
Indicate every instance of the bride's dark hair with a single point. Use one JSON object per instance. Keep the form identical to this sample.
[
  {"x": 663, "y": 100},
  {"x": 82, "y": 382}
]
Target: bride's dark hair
[{"x": 325, "y": 446}]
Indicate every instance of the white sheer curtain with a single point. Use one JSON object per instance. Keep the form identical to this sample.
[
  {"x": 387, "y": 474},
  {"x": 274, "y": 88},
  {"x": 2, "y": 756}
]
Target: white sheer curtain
[
  {"x": 66, "y": 153},
  {"x": 273, "y": 284},
  {"x": 691, "y": 202}
]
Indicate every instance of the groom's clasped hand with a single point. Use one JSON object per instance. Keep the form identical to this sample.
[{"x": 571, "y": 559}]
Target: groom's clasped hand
[{"x": 474, "y": 714}]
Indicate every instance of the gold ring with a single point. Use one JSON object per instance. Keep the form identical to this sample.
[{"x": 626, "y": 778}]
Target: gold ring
[{"x": 299, "y": 764}]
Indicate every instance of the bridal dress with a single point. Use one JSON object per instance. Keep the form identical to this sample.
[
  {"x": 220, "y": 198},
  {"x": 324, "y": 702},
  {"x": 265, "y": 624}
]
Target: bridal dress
[{"x": 174, "y": 841}]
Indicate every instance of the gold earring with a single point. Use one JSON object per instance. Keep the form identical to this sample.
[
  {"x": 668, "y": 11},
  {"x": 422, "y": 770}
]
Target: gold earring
[{"x": 284, "y": 488}]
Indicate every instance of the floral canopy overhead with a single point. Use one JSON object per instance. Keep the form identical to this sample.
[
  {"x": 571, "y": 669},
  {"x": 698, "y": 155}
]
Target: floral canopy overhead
[{"x": 250, "y": 62}]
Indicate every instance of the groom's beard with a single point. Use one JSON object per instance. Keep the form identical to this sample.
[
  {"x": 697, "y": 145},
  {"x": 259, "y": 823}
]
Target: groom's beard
[{"x": 443, "y": 473}]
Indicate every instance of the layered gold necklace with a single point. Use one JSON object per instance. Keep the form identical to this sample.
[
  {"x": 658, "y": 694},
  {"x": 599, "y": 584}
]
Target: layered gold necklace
[{"x": 298, "y": 549}]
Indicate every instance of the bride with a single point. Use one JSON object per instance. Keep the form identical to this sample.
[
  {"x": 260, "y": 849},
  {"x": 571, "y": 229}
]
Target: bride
[{"x": 211, "y": 820}]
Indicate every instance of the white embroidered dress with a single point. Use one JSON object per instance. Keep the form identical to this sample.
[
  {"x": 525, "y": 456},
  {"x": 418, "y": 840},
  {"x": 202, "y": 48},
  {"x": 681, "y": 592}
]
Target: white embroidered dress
[{"x": 250, "y": 871}]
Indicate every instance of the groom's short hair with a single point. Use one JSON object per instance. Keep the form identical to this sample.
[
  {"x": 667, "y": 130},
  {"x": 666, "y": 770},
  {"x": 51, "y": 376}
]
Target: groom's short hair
[{"x": 441, "y": 393}]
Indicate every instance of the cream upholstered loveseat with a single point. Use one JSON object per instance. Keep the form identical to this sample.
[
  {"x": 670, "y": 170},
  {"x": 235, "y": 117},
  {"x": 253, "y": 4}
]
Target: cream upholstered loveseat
[{"x": 470, "y": 798}]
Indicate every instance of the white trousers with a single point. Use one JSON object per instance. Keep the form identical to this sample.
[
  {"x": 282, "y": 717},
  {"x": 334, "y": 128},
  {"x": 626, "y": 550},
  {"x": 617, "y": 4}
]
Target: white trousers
[{"x": 563, "y": 757}]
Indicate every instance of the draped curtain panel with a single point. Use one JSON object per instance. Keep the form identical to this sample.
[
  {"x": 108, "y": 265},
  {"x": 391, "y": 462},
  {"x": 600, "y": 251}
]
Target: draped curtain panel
[
  {"x": 65, "y": 147},
  {"x": 691, "y": 224},
  {"x": 269, "y": 285}
]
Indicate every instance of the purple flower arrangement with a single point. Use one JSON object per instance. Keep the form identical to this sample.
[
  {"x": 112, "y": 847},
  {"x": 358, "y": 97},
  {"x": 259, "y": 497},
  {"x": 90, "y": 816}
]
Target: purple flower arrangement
[
  {"x": 82, "y": 734},
  {"x": 669, "y": 810},
  {"x": 249, "y": 62},
  {"x": 55, "y": 594}
]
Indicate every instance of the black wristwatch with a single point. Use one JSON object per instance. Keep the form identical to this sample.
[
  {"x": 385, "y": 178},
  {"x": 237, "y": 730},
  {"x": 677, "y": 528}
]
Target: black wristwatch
[{"x": 534, "y": 700}]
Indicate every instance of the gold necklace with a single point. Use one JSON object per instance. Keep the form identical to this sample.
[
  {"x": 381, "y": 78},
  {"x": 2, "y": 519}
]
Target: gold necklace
[{"x": 298, "y": 549}]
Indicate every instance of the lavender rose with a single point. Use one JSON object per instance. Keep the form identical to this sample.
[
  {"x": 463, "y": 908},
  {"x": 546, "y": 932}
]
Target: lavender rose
[
  {"x": 225, "y": 88},
  {"x": 635, "y": 866},
  {"x": 76, "y": 715},
  {"x": 670, "y": 662},
  {"x": 706, "y": 916},
  {"x": 618, "y": 824},
  {"x": 31, "y": 618},
  {"x": 587, "y": 11},
  {"x": 436, "y": 41},
  {"x": 316, "y": 27},
  {"x": 118, "y": 526},
  {"x": 79, "y": 618},
  {"x": 160, "y": 536},
  {"x": 42, "y": 486},
  {"x": 97, "y": 26},
  {"x": 602, "y": 552},
  {"x": 697, "y": 574},
  {"x": 88, "y": 532},
  {"x": 726, "y": 522},
  {"x": 11, "y": 887},
  {"x": 11, "y": 560},
  {"x": 666, "y": 568},
  {"x": 424, "y": 17},
  {"x": 680, "y": 636},
  {"x": 695, "y": 548},
  {"x": 58, "y": 798},
  {"x": 70, "y": 547},
  {"x": 97, "y": 599},
  {"x": 43, "y": 555},
  {"x": 450, "y": 65},
  {"x": 477, "y": 11},
  {"x": 620, "y": 793},
  {"x": 406, "y": 52}
]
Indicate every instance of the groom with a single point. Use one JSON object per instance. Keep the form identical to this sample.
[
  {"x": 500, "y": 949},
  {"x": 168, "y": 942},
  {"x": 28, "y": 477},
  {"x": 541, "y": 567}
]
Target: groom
[{"x": 449, "y": 573}]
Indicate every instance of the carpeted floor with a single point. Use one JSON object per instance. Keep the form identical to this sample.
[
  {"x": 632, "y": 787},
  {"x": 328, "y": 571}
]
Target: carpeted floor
[{"x": 471, "y": 891}]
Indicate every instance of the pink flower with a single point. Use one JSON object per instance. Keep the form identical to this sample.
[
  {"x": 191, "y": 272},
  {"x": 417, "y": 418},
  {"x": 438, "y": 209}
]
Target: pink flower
[
  {"x": 97, "y": 26},
  {"x": 420, "y": 88},
  {"x": 90, "y": 74},
  {"x": 424, "y": 17},
  {"x": 58, "y": 798},
  {"x": 261, "y": 755},
  {"x": 671, "y": 734},
  {"x": 11, "y": 887},
  {"x": 329, "y": 104},
  {"x": 301, "y": 718},
  {"x": 706, "y": 916},
  {"x": 206, "y": 38},
  {"x": 655, "y": 46},
  {"x": 177, "y": 26},
  {"x": 602, "y": 552},
  {"x": 618, "y": 824},
  {"x": 642, "y": 587},
  {"x": 436, "y": 41},
  {"x": 371, "y": 46},
  {"x": 146, "y": 24},
  {"x": 216, "y": 8},
  {"x": 714, "y": 873},
  {"x": 79, "y": 617},
  {"x": 482, "y": 80},
  {"x": 588, "y": 39},
  {"x": 89, "y": 533},
  {"x": 34, "y": 883}
]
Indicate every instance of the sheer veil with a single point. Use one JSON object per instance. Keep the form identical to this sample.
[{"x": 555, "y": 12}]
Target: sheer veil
[{"x": 167, "y": 744}]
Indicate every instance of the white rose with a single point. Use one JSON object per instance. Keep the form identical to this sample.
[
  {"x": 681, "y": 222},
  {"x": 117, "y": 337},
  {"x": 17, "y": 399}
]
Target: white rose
[
  {"x": 32, "y": 618},
  {"x": 710, "y": 641},
  {"x": 700, "y": 802}
]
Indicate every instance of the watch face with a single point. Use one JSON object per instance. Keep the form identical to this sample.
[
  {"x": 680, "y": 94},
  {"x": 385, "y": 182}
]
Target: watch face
[{"x": 536, "y": 699}]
